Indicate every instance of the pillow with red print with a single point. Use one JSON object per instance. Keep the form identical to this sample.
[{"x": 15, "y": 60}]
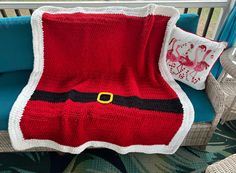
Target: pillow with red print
[{"x": 191, "y": 57}]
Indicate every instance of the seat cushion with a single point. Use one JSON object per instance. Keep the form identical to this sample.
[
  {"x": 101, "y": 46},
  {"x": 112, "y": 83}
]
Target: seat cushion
[
  {"x": 204, "y": 111},
  {"x": 11, "y": 84},
  {"x": 188, "y": 22},
  {"x": 16, "y": 49}
]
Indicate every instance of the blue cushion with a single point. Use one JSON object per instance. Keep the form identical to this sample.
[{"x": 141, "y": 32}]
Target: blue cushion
[
  {"x": 204, "y": 111},
  {"x": 188, "y": 22},
  {"x": 11, "y": 84},
  {"x": 16, "y": 54},
  {"x": 16, "y": 50},
  {"x": 216, "y": 69}
]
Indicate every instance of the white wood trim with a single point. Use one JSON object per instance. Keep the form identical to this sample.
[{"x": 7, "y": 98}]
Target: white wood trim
[
  {"x": 176, "y": 3},
  {"x": 223, "y": 4}
]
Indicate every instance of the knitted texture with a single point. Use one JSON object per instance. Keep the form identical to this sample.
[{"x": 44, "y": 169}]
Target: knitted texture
[{"x": 86, "y": 53}]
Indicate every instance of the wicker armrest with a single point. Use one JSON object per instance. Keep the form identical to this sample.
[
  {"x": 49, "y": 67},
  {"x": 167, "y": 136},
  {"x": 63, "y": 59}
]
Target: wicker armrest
[
  {"x": 215, "y": 94},
  {"x": 226, "y": 165}
]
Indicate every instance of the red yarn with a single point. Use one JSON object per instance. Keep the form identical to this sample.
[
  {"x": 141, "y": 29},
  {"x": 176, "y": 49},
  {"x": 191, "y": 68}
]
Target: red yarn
[{"x": 94, "y": 53}]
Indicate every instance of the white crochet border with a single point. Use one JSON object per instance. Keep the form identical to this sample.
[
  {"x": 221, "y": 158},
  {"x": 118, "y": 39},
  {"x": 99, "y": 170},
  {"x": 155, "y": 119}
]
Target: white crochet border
[{"x": 16, "y": 136}]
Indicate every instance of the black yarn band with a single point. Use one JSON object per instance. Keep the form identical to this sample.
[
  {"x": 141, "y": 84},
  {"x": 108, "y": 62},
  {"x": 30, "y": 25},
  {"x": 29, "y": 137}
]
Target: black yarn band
[{"x": 162, "y": 105}]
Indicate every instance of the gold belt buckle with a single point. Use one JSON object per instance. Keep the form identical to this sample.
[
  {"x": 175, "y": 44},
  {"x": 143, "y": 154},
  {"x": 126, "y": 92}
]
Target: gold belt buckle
[{"x": 104, "y": 101}]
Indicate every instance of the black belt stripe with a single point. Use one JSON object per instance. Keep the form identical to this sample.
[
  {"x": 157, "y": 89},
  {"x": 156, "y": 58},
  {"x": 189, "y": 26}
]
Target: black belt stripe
[{"x": 162, "y": 105}]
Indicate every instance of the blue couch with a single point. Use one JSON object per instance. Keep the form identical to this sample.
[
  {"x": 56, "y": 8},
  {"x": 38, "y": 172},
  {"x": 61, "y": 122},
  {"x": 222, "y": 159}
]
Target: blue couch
[{"x": 16, "y": 62}]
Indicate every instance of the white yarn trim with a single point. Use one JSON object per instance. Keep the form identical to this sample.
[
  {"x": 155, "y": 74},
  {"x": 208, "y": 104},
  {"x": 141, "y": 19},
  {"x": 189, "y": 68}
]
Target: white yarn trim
[{"x": 16, "y": 136}]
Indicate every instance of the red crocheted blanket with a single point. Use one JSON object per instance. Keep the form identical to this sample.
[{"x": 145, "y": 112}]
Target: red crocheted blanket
[{"x": 100, "y": 80}]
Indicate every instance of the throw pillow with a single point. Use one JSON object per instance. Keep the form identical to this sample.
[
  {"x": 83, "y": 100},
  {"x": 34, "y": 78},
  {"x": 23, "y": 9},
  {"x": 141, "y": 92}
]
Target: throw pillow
[{"x": 191, "y": 57}]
